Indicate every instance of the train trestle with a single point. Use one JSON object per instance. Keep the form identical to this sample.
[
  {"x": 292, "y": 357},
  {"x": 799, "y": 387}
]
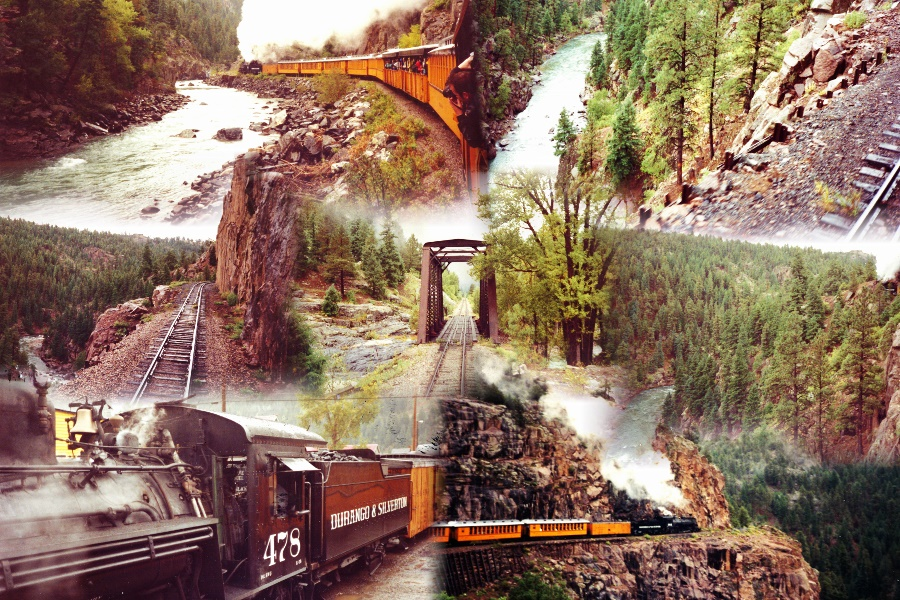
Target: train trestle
[{"x": 436, "y": 257}]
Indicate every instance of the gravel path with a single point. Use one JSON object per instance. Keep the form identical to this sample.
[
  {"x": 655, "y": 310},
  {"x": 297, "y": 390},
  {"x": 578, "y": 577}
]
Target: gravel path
[
  {"x": 405, "y": 575},
  {"x": 827, "y": 145}
]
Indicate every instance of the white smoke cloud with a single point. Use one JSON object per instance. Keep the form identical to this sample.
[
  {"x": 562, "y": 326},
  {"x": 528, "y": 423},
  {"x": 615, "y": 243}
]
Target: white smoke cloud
[
  {"x": 308, "y": 22},
  {"x": 629, "y": 461}
]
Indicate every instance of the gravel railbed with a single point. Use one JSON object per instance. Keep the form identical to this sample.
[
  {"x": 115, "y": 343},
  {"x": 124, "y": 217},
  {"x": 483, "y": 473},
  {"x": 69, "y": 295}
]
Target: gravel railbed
[{"x": 829, "y": 145}]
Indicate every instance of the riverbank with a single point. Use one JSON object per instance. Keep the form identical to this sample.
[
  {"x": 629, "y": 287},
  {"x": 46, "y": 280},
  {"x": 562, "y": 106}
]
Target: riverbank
[
  {"x": 522, "y": 81},
  {"x": 43, "y": 128}
]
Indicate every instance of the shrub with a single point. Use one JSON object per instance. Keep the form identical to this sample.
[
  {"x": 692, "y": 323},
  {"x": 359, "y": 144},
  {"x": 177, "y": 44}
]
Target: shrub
[
  {"x": 854, "y": 20},
  {"x": 231, "y": 298},
  {"x": 330, "y": 305},
  {"x": 500, "y": 100},
  {"x": 331, "y": 87}
]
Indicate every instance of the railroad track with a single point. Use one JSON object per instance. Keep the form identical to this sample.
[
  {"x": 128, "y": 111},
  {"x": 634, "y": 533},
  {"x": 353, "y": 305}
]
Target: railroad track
[
  {"x": 450, "y": 372},
  {"x": 879, "y": 178},
  {"x": 170, "y": 367}
]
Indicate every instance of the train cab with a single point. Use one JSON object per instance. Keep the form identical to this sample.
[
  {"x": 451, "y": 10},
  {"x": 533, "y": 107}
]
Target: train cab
[
  {"x": 480, "y": 531},
  {"x": 610, "y": 528}
]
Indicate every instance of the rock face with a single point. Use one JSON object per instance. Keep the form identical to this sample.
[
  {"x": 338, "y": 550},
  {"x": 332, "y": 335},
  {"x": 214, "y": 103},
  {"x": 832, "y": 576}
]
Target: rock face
[
  {"x": 757, "y": 565},
  {"x": 229, "y": 134},
  {"x": 885, "y": 448},
  {"x": 256, "y": 249},
  {"x": 113, "y": 325},
  {"x": 504, "y": 468},
  {"x": 701, "y": 482}
]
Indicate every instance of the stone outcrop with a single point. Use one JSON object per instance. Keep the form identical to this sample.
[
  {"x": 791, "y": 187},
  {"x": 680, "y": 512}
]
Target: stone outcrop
[
  {"x": 504, "y": 467},
  {"x": 256, "y": 246},
  {"x": 113, "y": 325},
  {"x": 763, "y": 564},
  {"x": 885, "y": 448},
  {"x": 825, "y": 59},
  {"x": 701, "y": 482}
]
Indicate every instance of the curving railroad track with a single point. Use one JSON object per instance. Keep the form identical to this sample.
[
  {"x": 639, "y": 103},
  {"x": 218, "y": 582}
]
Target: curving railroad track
[
  {"x": 879, "y": 178},
  {"x": 169, "y": 369},
  {"x": 456, "y": 339}
]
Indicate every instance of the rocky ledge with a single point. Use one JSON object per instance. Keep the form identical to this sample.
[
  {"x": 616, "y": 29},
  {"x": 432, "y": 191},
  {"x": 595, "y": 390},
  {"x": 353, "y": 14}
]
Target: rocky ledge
[{"x": 758, "y": 564}]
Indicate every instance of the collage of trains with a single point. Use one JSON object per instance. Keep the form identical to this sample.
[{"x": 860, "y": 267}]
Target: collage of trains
[{"x": 176, "y": 502}]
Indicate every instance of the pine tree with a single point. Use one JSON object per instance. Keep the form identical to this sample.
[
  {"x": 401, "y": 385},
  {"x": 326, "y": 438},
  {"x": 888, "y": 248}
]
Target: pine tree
[
  {"x": 597, "y": 71},
  {"x": 330, "y": 304},
  {"x": 785, "y": 381},
  {"x": 339, "y": 264},
  {"x": 820, "y": 385},
  {"x": 671, "y": 54},
  {"x": 760, "y": 28},
  {"x": 565, "y": 133},
  {"x": 371, "y": 266},
  {"x": 412, "y": 254},
  {"x": 361, "y": 234},
  {"x": 623, "y": 147},
  {"x": 859, "y": 367},
  {"x": 391, "y": 263}
]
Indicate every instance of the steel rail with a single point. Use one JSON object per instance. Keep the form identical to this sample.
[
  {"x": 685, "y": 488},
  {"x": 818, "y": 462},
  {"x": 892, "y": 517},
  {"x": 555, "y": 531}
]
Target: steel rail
[
  {"x": 142, "y": 386},
  {"x": 444, "y": 345},
  {"x": 464, "y": 341},
  {"x": 190, "y": 372},
  {"x": 868, "y": 216}
]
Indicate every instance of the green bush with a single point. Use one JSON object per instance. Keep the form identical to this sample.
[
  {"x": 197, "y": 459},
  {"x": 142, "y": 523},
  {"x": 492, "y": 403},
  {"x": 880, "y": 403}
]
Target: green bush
[
  {"x": 331, "y": 87},
  {"x": 854, "y": 20},
  {"x": 500, "y": 100},
  {"x": 231, "y": 298},
  {"x": 532, "y": 587},
  {"x": 330, "y": 305}
]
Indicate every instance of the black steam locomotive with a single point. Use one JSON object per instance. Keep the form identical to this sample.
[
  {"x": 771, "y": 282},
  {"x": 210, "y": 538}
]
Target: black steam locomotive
[
  {"x": 173, "y": 502},
  {"x": 254, "y": 67}
]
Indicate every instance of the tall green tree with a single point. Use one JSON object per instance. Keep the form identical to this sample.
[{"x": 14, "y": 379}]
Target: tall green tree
[
  {"x": 624, "y": 145},
  {"x": 373, "y": 272},
  {"x": 786, "y": 377},
  {"x": 565, "y": 133},
  {"x": 391, "y": 263},
  {"x": 820, "y": 387},
  {"x": 759, "y": 30},
  {"x": 412, "y": 254},
  {"x": 597, "y": 71},
  {"x": 339, "y": 265},
  {"x": 859, "y": 366},
  {"x": 675, "y": 30}
]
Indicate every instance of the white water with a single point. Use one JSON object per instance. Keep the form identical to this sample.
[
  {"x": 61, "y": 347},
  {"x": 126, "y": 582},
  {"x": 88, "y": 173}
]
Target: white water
[
  {"x": 530, "y": 144},
  {"x": 104, "y": 184}
]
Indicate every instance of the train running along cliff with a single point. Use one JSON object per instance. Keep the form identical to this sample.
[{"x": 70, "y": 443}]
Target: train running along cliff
[
  {"x": 422, "y": 73},
  {"x": 173, "y": 502}
]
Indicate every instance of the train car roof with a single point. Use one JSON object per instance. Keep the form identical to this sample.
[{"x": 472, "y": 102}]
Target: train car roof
[
  {"x": 444, "y": 49},
  {"x": 553, "y": 521},
  {"x": 476, "y": 523},
  {"x": 229, "y": 433},
  {"x": 415, "y": 51}
]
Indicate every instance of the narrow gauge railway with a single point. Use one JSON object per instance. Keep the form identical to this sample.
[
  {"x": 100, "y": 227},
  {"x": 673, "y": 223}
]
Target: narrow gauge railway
[
  {"x": 172, "y": 364},
  {"x": 456, "y": 339},
  {"x": 884, "y": 171},
  {"x": 397, "y": 69},
  {"x": 179, "y": 503},
  {"x": 477, "y": 553}
]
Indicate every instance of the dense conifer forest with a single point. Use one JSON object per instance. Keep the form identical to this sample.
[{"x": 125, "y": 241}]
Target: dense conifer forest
[
  {"x": 843, "y": 515},
  {"x": 56, "y": 281}
]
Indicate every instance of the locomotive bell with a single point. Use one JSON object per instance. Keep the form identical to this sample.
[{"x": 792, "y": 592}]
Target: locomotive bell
[{"x": 84, "y": 421}]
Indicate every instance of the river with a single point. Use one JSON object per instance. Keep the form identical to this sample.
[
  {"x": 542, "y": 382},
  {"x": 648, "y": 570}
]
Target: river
[
  {"x": 530, "y": 143},
  {"x": 627, "y": 433},
  {"x": 104, "y": 184}
]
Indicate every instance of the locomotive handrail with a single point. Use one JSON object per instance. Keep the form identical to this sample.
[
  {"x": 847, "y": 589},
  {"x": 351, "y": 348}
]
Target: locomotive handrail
[{"x": 90, "y": 468}]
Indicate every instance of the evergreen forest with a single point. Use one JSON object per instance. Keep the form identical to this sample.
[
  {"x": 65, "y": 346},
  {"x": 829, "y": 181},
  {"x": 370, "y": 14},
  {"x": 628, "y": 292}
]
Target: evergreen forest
[
  {"x": 844, "y": 516},
  {"x": 91, "y": 52},
  {"x": 56, "y": 281}
]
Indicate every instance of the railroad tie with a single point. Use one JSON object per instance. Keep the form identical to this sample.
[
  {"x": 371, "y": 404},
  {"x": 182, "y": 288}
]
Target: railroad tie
[
  {"x": 891, "y": 134},
  {"x": 868, "y": 187},
  {"x": 889, "y": 147},
  {"x": 877, "y": 159},
  {"x": 872, "y": 172}
]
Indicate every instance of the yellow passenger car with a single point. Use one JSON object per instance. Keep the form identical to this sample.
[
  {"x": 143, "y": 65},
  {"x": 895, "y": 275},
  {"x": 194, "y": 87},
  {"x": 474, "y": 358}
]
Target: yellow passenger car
[
  {"x": 611, "y": 528},
  {"x": 555, "y": 527},
  {"x": 482, "y": 531}
]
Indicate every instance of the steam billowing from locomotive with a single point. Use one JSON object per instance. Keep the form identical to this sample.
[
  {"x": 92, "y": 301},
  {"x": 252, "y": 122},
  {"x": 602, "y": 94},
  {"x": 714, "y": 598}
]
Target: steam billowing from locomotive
[{"x": 267, "y": 24}]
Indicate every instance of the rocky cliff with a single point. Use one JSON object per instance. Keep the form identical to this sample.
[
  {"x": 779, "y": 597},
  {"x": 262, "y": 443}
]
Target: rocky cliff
[
  {"x": 509, "y": 464},
  {"x": 885, "y": 448},
  {"x": 256, "y": 246},
  {"x": 701, "y": 482},
  {"x": 761, "y": 564}
]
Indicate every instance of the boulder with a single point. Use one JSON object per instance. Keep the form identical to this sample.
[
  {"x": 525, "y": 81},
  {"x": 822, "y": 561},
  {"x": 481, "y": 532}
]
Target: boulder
[
  {"x": 825, "y": 66},
  {"x": 187, "y": 134},
  {"x": 149, "y": 210},
  {"x": 821, "y": 6},
  {"x": 229, "y": 134},
  {"x": 278, "y": 119}
]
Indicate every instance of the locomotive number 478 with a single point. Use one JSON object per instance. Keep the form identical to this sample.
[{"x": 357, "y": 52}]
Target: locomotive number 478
[{"x": 279, "y": 542}]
